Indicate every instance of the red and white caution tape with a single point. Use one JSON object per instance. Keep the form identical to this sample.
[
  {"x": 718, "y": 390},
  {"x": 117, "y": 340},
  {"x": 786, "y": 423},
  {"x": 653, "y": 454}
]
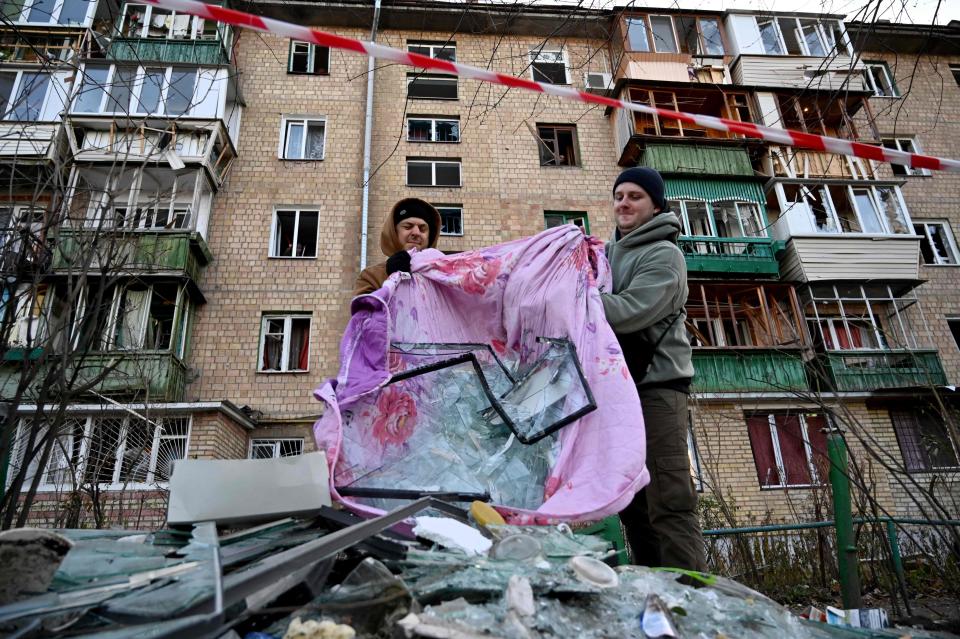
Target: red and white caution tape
[{"x": 770, "y": 134}]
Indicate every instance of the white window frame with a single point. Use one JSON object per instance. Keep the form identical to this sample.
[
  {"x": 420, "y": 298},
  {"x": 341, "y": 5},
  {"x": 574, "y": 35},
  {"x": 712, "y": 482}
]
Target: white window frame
[
  {"x": 89, "y": 425},
  {"x": 776, "y": 30},
  {"x": 18, "y": 85},
  {"x": 108, "y": 342},
  {"x": 535, "y": 55},
  {"x": 452, "y": 79},
  {"x": 287, "y": 334},
  {"x": 947, "y": 233},
  {"x": 878, "y": 206},
  {"x": 837, "y": 325},
  {"x": 433, "y": 173},
  {"x": 136, "y": 90},
  {"x": 54, "y": 14},
  {"x": 195, "y": 28},
  {"x": 673, "y": 28},
  {"x": 888, "y": 74},
  {"x": 306, "y": 121},
  {"x": 815, "y": 479},
  {"x": 276, "y": 442},
  {"x": 898, "y": 145},
  {"x": 433, "y": 47},
  {"x": 274, "y": 253},
  {"x": 433, "y": 128},
  {"x": 693, "y": 452},
  {"x": 311, "y": 58},
  {"x": 712, "y": 215},
  {"x": 100, "y": 203},
  {"x": 450, "y": 207}
]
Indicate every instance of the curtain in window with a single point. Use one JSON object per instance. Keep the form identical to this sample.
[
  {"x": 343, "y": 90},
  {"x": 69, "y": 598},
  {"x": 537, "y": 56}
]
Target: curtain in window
[
  {"x": 817, "y": 435},
  {"x": 792, "y": 450},
  {"x": 300, "y": 344},
  {"x": 762, "y": 444},
  {"x": 272, "y": 352},
  {"x": 133, "y": 319}
]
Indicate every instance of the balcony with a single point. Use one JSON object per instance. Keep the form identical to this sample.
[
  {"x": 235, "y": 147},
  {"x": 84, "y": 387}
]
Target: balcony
[
  {"x": 740, "y": 255},
  {"x": 837, "y": 72},
  {"x": 26, "y": 141},
  {"x": 176, "y": 51},
  {"x": 177, "y": 253},
  {"x": 146, "y": 375},
  {"x": 748, "y": 370},
  {"x": 793, "y": 163},
  {"x": 882, "y": 369}
]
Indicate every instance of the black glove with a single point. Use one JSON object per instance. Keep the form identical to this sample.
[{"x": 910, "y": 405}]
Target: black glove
[{"x": 399, "y": 261}]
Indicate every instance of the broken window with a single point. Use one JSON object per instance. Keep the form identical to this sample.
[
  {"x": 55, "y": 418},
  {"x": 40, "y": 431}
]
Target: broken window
[
  {"x": 738, "y": 107},
  {"x": 431, "y": 86},
  {"x": 549, "y": 66},
  {"x": 276, "y": 448},
  {"x": 436, "y": 50},
  {"x": 769, "y": 36},
  {"x": 789, "y": 449},
  {"x": 907, "y": 145},
  {"x": 937, "y": 245},
  {"x": 142, "y": 317},
  {"x": 308, "y": 58},
  {"x": 451, "y": 219},
  {"x": 743, "y": 316},
  {"x": 880, "y": 80},
  {"x": 285, "y": 343},
  {"x": 421, "y": 129},
  {"x": 559, "y": 218},
  {"x": 924, "y": 440},
  {"x": 433, "y": 173},
  {"x": 303, "y": 138},
  {"x": 29, "y": 324},
  {"x": 295, "y": 233},
  {"x": 557, "y": 145}
]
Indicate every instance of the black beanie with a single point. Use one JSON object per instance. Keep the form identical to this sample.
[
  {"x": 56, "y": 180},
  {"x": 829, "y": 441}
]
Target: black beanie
[
  {"x": 415, "y": 207},
  {"x": 649, "y": 180}
]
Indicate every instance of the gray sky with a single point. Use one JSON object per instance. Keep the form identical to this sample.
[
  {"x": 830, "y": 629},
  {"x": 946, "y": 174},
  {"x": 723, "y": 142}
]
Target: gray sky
[{"x": 909, "y": 11}]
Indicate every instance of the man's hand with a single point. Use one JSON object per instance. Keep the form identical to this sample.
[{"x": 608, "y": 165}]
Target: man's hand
[{"x": 399, "y": 261}]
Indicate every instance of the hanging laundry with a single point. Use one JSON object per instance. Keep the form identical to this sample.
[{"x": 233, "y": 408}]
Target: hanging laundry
[{"x": 392, "y": 419}]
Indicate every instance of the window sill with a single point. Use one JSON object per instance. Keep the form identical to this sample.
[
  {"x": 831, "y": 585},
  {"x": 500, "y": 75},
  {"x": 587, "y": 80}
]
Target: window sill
[
  {"x": 300, "y": 159},
  {"x": 292, "y": 257},
  {"x": 435, "y": 186},
  {"x": 953, "y": 470},
  {"x": 940, "y": 265},
  {"x": 326, "y": 73},
  {"x": 418, "y": 97},
  {"x": 792, "y": 487},
  {"x": 433, "y": 141},
  {"x": 282, "y": 372},
  {"x": 886, "y": 97},
  {"x": 561, "y": 166},
  {"x": 451, "y": 235}
]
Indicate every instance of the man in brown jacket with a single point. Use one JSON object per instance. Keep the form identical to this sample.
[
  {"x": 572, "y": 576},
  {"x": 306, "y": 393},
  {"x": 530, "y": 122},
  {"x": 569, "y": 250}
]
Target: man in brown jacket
[{"x": 412, "y": 223}]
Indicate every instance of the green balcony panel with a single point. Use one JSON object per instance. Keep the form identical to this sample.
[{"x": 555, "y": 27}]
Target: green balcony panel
[
  {"x": 699, "y": 159},
  {"x": 740, "y": 255},
  {"x": 748, "y": 370},
  {"x": 178, "y": 253},
  {"x": 714, "y": 190},
  {"x": 878, "y": 369},
  {"x": 144, "y": 376},
  {"x": 185, "y": 51}
]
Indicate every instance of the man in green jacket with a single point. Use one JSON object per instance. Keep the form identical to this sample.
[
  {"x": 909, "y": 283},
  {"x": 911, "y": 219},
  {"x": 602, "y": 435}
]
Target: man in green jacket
[{"x": 646, "y": 311}]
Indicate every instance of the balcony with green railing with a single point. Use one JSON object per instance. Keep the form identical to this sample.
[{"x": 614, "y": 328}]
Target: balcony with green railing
[
  {"x": 724, "y": 370},
  {"x": 156, "y": 376},
  {"x": 735, "y": 255},
  {"x": 869, "y": 370},
  {"x": 178, "y": 253},
  {"x": 186, "y": 51}
]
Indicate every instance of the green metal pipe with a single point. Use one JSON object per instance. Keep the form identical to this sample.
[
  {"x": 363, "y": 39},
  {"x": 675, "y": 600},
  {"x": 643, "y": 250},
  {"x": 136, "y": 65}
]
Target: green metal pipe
[
  {"x": 843, "y": 516},
  {"x": 897, "y": 562}
]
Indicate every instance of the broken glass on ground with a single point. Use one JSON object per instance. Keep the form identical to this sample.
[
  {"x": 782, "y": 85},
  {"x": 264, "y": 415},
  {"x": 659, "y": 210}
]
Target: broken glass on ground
[{"x": 457, "y": 419}]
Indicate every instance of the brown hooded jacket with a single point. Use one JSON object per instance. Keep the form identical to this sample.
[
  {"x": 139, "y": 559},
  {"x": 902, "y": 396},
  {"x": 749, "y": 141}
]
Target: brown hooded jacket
[{"x": 373, "y": 277}]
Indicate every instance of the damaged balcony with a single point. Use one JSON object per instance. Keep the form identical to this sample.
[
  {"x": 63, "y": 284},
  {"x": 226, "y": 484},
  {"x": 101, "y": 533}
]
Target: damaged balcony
[
  {"x": 150, "y": 33},
  {"x": 673, "y": 48},
  {"x": 746, "y": 338},
  {"x": 867, "y": 340},
  {"x": 155, "y": 377},
  {"x": 635, "y": 131}
]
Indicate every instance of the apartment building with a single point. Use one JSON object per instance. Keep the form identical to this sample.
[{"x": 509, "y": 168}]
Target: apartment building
[{"x": 819, "y": 284}]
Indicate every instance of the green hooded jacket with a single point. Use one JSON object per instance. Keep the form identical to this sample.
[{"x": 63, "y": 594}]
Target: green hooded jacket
[{"x": 650, "y": 291}]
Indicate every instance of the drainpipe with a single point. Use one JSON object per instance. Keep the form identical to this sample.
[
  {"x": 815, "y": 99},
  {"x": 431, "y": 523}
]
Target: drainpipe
[{"x": 367, "y": 139}]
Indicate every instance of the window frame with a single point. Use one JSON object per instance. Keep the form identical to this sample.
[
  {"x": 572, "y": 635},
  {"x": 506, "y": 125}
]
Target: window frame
[
  {"x": 277, "y": 444},
  {"x": 711, "y": 216},
  {"x": 195, "y": 28},
  {"x": 815, "y": 479},
  {"x": 311, "y": 59},
  {"x": 83, "y": 452},
  {"x": 646, "y": 35},
  {"x": 907, "y": 171},
  {"x": 955, "y": 71},
  {"x": 286, "y": 121},
  {"x": 433, "y": 47},
  {"x": 895, "y": 417},
  {"x": 868, "y": 65},
  {"x": 693, "y": 452},
  {"x": 450, "y": 207},
  {"x": 534, "y": 55},
  {"x": 287, "y": 335},
  {"x": 54, "y": 19},
  {"x": 433, "y": 162},
  {"x": 434, "y": 120},
  {"x": 107, "y": 341},
  {"x": 569, "y": 217},
  {"x": 17, "y": 88},
  {"x": 673, "y": 29},
  {"x": 274, "y": 235},
  {"x": 543, "y": 143},
  {"x": 135, "y": 90},
  {"x": 451, "y": 79},
  {"x": 947, "y": 232}
]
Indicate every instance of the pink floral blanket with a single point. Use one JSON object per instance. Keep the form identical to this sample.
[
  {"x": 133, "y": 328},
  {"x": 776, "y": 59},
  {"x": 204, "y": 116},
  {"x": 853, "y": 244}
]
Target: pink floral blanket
[{"x": 505, "y": 296}]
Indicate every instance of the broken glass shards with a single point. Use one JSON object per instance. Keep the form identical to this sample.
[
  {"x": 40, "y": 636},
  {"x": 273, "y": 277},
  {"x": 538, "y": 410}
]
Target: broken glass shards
[{"x": 456, "y": 420}]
